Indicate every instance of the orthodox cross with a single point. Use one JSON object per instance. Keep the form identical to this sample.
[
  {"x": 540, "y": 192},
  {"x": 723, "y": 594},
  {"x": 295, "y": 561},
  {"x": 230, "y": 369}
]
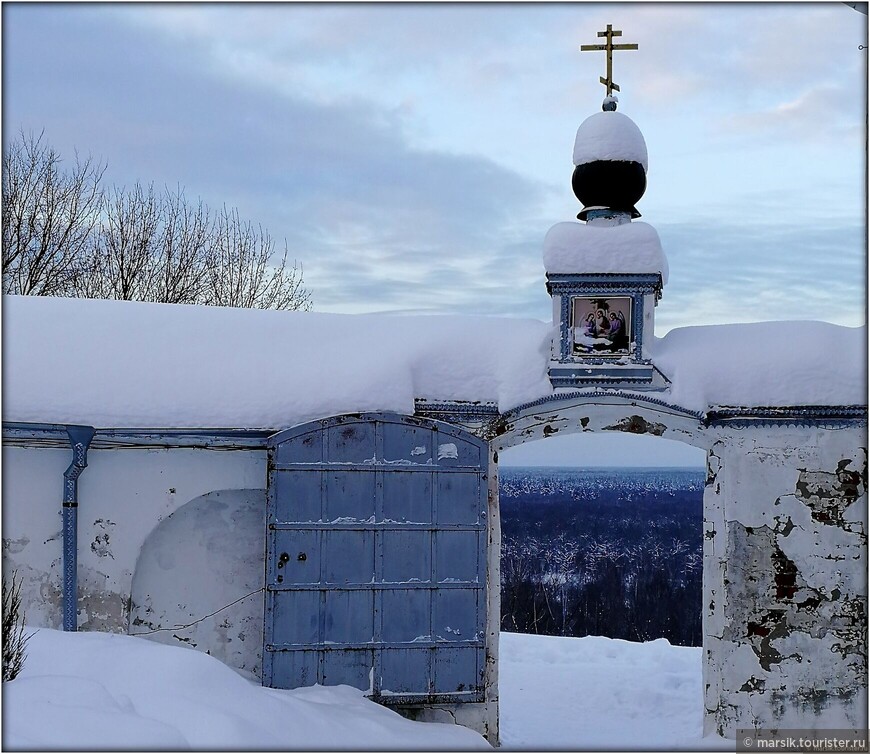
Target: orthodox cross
[{"x": 609, "y": 48}]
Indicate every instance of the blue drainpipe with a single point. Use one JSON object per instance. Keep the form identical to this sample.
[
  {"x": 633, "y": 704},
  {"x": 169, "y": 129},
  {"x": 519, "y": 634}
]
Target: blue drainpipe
[{"x": 79, "y": 438}]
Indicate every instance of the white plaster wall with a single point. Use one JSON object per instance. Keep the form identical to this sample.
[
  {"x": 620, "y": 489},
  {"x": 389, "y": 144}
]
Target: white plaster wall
[
  {"x": 785, "y": 580},
  {"x": 171, "y": 546},
  {"x": 785, "y": 561},
  {"x": 199, "y": 579},
  {"x": 123, "y": 495},
  {"x": 32, "y": 495}
]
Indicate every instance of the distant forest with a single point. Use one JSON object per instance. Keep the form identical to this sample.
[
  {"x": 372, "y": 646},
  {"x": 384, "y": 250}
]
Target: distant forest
[{"x": 602, "y": 552}]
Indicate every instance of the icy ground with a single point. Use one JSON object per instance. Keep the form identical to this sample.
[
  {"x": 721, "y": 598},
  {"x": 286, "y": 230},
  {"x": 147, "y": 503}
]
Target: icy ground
[{"x": 96, "y": 691}]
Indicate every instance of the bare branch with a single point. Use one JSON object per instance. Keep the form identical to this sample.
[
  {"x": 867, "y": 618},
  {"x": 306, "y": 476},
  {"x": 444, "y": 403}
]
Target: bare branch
[
  {"x": 62, "y": 235},
  {"x": 48, "y": 217}
]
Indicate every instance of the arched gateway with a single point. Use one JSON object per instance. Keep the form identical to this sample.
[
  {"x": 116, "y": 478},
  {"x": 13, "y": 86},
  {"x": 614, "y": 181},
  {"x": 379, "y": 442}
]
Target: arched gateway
[{"x": 369, "y": 478}]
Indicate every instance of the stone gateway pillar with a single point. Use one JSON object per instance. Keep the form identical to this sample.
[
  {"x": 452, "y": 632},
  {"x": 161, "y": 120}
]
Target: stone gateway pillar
[{"x": 785, "y": 579}]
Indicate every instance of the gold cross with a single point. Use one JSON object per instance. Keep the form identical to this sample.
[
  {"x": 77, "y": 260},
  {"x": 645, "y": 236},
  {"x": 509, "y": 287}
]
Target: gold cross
[{"x": 609, "y": 48}]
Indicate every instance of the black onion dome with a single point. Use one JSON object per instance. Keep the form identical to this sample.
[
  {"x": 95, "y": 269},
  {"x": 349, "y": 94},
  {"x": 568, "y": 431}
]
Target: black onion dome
[
  {"x": 610, "y": 161},
  {"x": 616, "y": 185}
]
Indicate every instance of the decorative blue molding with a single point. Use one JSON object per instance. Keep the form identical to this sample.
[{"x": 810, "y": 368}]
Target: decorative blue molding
[
  {"x": 474, "y": 409},
  {"x": 604, "y": 278},
  {"x": 827, "y": 417},
  {"x": 569, "y": 382},
  {"x": 79, "y": 438}
]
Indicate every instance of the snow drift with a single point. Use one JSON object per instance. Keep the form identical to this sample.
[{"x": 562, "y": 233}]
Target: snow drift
[{"x": 109, "y": 692}]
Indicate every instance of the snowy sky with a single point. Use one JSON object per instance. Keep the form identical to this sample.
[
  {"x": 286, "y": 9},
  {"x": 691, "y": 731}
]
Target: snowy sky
[{"x": 414, "y": 155}]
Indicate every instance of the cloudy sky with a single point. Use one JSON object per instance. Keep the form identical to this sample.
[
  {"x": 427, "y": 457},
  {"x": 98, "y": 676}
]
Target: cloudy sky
[{"x": 414, "y": 155}]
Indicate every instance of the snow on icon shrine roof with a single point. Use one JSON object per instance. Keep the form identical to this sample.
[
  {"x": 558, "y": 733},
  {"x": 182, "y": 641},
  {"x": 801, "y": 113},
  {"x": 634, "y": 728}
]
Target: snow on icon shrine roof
[
  {"x": 572, "y": 247},
  {"x": 131, "y": 364}
]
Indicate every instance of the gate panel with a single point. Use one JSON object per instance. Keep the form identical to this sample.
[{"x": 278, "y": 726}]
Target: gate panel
[{"x": 376, "y": 558}]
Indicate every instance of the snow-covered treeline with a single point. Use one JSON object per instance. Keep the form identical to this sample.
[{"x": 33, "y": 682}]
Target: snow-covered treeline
[{"x": 606, "y": 553}]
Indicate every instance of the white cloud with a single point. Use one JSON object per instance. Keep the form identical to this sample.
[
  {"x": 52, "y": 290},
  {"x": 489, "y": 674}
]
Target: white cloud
[
  {"x": 414, "y": 156},
  {"x": 822, "y": 113}
]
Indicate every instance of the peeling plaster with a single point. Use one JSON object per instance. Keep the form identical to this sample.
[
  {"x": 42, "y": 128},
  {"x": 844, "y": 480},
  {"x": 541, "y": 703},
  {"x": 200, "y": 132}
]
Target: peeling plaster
[
  {"x": 829, "y": 493},
  {"x": 794, "y": 580},
  {"x": 14, "y": 546},
  {"x": 637, "y": 425}
]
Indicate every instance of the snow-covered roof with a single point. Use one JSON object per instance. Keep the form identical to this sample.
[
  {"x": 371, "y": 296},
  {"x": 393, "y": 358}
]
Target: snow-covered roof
[
  {"x": 582, "y": 248},
  {"x": 125, "y": 364},
  {"x": 765, "y": 364},
  {"x": 609, "y": 135},
  {"x": 132, "y": 364}
]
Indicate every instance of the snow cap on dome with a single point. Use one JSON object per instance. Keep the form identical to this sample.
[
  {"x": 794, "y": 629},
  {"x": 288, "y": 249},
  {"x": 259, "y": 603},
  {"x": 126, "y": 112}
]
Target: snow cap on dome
[{"x": 609, "y": 135}]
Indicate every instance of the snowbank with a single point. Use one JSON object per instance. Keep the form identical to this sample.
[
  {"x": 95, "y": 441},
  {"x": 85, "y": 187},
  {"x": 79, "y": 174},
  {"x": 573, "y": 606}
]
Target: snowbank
[
  {"x": 108, "y": 692},
  {"x": 131, "y": 364},
  {"x": 600, "y": 694},
  {"x": 582, "y": 248},
  {"x": 609, "y": 135},
  {"x": 765, "y": 364},
  {"x": 125, "y": 364}
]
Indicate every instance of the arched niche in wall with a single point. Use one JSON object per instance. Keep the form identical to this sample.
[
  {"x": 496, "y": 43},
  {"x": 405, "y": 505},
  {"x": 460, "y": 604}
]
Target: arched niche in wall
[{"x": 199, "y": 577}]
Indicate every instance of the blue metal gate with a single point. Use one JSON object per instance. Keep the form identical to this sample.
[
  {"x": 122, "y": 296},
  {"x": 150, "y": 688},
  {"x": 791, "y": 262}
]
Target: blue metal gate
[{"x": 376, "y": 558}]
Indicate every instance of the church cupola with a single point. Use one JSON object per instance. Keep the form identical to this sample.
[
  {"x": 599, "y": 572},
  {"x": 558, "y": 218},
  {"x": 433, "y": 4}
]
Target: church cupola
[
  {"x": 610, "y": 161},
  {"x": 605, "y": 274}
]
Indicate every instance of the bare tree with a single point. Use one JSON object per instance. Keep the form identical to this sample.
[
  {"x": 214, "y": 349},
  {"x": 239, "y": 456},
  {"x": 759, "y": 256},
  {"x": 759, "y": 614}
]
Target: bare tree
[
  {"x": 62, "y": 235},
  {"x": 149, "y": 248},
  {"x": 239, "y": 270},
  {"x": 185, "y": 242},
  {"x": 122, "y": 261},
  {"x": 48, "y": 216}
]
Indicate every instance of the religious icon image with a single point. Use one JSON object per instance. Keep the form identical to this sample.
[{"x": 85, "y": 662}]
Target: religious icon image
[{"x": 601, "y": 326}]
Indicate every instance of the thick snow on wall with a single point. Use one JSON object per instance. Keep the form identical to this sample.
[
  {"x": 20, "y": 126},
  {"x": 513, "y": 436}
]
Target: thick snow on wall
[
  {"x": 132, "y": 364},
  {"x": 609, "y": 135},
  {"x": 765, "y": 364},
  {"x": 634, "y": 247}
]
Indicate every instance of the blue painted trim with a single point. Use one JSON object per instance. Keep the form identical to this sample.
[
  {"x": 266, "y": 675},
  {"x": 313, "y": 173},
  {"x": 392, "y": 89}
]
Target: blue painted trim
[
  {"x": 634, "y": 287},
  {"x": 636, "y": 383},
  {"x": 54, "y": 435},
  {"x": 79, "y": 438},
  {"x": 603, "y": 372},
  {"x": 472, "y": 409},
  {"x": 617, "y": 279},
  {"x": 828, "y": 417}
]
